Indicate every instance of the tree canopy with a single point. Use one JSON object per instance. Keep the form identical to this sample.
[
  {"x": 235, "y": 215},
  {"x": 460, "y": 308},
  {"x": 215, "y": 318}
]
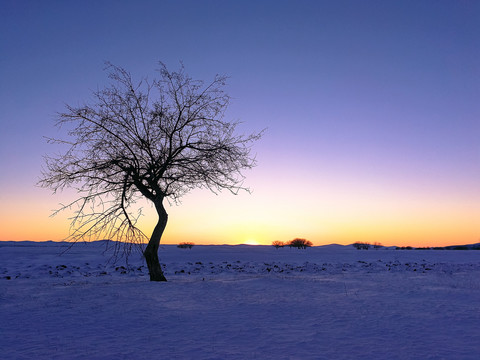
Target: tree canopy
[{"x": 155, "y": 140}]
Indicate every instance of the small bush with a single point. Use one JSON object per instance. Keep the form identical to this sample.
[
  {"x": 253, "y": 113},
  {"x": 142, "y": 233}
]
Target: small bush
[
  {"x": 404, "y": 248},
  {"x": 185, "y": 245},
  {"x": 299, "y": 243},
  {"x": 278, "y": 244},
  {"x": 361, "y": 245}
]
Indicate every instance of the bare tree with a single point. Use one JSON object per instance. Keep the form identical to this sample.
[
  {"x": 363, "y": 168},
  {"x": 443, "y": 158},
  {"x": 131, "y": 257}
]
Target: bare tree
[
  {"x": 154, "y": 140},
  {"x": 300, "y": 243},
  {"x": 278, "y": 244}
]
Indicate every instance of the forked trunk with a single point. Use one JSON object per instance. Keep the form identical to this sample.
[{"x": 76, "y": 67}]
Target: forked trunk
[{"x": 151, "y": 251}]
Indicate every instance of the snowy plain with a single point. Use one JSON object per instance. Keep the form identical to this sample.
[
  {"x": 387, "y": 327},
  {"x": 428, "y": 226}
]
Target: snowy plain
[{"x": 238, "y": 302}]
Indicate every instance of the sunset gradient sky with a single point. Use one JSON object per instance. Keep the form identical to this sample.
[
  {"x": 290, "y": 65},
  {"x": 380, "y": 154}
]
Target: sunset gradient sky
[{"x": 372, "y": 110}]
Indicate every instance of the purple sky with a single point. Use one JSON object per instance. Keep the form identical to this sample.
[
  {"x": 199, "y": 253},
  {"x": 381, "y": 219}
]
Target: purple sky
[{"x": 372, "y": 109}]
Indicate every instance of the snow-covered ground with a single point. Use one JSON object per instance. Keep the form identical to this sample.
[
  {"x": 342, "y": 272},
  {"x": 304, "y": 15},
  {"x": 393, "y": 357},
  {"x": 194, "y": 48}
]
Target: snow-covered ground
[{"x": 239, "y": 302}]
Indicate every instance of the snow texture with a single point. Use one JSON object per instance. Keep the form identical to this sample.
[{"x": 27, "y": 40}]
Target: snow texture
[{"x": 238, "y": 302}]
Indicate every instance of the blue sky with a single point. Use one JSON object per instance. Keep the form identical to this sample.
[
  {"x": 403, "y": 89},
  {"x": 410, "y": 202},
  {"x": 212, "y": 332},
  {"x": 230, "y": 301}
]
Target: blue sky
[{"x": 371, "y": 107}]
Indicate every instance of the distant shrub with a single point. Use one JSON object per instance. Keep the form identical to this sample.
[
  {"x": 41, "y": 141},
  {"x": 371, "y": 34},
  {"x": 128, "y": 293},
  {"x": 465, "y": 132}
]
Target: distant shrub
[
  {"x": 299, "y": 243},
  {"x": 278, "y": 244},
  {"x": 404, "y": 248},
  {"x": 361, "y": 245},
  {"x": 377, "y": 245},
  {"x": 185, "y": 245}
]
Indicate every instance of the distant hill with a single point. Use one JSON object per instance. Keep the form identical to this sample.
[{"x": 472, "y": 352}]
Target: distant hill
[
  {"x": 367, "y": 246},
  {"x": 463, "y": 247}
]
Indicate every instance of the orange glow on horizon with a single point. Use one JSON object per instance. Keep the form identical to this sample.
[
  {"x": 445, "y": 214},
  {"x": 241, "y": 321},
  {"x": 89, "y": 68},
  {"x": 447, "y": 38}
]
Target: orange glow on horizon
[
  {"x": 251, "y": 242},
  {"x": 388, "y": 234},
  {"x": 341, "y": 216}
]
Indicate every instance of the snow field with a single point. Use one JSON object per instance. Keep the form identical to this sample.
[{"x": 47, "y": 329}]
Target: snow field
[{"x": 319, "y": 303}]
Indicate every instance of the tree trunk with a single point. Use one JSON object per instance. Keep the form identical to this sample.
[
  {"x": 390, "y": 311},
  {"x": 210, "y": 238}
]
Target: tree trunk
[{"x": 151, "y": 251}]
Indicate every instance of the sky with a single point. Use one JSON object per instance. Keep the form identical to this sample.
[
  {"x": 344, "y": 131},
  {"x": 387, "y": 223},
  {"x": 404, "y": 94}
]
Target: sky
[{"x": 371, "y": 110}]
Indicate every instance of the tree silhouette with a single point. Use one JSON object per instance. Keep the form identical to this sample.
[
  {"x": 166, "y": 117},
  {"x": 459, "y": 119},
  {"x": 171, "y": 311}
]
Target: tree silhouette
[
  {"x": 300, "y": 243},
  {"x": 155, "y": 140},
  {"x": 278, "y": 244}
]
